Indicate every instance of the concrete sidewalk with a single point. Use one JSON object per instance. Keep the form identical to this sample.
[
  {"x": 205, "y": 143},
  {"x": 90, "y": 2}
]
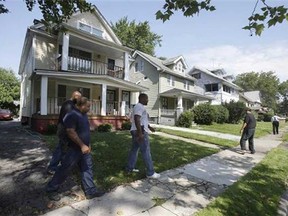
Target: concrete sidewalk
[{"x": 181, "y": 191}]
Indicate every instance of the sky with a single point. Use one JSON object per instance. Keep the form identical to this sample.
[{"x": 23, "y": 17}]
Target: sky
[{"x": 209, "y": 40}]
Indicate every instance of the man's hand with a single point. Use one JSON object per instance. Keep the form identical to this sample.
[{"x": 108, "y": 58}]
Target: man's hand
[
  {"x": 151, "y": 129},
  {"x": 85, "y": 149},
  {"x": 140, "y": 137}
]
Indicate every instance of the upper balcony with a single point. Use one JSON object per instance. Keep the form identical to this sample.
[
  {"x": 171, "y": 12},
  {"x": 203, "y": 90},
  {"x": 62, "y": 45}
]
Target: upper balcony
[{"x": 86, "y": 65}]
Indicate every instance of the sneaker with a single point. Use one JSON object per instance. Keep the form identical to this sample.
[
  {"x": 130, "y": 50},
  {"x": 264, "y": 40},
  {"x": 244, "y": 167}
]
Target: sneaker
[
  {"x": 252, "y": 152},
  {"x": 133, "y": 171},
  {"x": 154, "y": 176},
  {"x": 242, "y": 152},
  {"x": 97, "y": 194}
]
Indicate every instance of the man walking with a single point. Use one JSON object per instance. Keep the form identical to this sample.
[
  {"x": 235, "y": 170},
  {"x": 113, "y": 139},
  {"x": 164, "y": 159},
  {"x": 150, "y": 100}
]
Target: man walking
[
  {"x": 275, "y": 123},
  {"x": 140, "y": 139},
  {"x": 78, "y": 130},
  {"x": 59, "y": 151},
  {"x": 247, "y": 130}
]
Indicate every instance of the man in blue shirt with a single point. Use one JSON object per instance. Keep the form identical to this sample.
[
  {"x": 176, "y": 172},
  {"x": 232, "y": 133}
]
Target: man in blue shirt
[
  {"x": 59, "y": 151},
  {"x": 78, "y": 131}
]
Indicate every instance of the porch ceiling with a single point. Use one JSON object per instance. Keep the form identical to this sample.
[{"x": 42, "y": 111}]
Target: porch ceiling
[
  {"x": 93, "y": 46},
  {"x": 92, "y": 79},
  {"x": 185, "y": 94}
]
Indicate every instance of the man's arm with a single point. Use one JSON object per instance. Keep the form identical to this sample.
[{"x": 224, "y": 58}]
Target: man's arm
[
  {"x": 75, "y": 138},
  {"x": 151, "y": 128}
]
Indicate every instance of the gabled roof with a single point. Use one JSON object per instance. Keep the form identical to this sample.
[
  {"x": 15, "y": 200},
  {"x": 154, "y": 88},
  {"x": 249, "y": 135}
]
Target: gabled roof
[
  {"x": 195, "y": 69},
  {"x": 158, "y": 63},
  {"x": 174, "y": 60},
  {"x": 253, "y": 96}
]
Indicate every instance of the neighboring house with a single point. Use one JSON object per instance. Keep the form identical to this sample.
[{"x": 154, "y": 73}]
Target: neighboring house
[
  {"x": 251, "y": 99},
  {"x": 171, "y": 89},
  {"x": 87, "y": 57},
  {"x": 215, "y": 84}
]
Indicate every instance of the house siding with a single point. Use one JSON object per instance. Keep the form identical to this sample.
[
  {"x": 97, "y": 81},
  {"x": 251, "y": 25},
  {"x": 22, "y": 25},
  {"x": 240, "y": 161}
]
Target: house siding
[
  {"x": 45, "y": 53},
  {"x": 179, "y": 83},
  {"x": 151, "y": 82},
  {"x": 89, "y": 19}
]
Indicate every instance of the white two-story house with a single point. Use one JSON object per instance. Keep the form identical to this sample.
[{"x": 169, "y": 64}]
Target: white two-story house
[
  {"x": 171, "y": 89},
  {"x": 216, "y": 84},
  {"x": 88, "y": 57}
]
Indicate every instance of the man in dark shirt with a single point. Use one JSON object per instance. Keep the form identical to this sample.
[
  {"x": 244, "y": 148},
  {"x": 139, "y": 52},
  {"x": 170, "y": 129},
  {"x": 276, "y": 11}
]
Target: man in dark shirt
[
  {"x": 78, "y": 130},
  {"x": 247, "y": 130},
  {"x": 59, "y": 151}
]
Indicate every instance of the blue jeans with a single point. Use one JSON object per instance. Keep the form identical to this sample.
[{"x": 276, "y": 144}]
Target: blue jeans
[
  {"x": 72, "y": 158},
  {"x": 59, "y": 151},
  {"x": 248, "y": 134},
  {"x": 145, "y": 151}
]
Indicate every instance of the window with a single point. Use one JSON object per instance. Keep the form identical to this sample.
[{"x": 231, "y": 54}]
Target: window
[
  {"x": 90, "y": 29},
  {"x": 170, "y": 80},
  {"x": 226, "y": 89},
  {"x": 61, "y": 95},
  {"x": 139, "y": 66},
  {"x": 211, "y": 87},
  {"x": 111, "y": 64},
  {"x": 126, "y": 98},
  {"x": 164, "y": 103},
  {"x": 197, "y": 75},
  {"x": 186, "y": 84}
]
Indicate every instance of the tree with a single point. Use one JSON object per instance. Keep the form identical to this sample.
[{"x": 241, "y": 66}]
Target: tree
[
  {"x": 266, "y": 82},
  {"x": 283, "y": 91},
  {"x": 56, "y": 11},
  {"x": 136, "y": 36},
  {"x": 256, "y": 25},
  {"x": 9, "y": 88}
]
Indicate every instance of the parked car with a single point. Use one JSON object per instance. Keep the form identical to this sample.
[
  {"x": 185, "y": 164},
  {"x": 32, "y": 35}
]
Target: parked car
[{"x": 6, "y": 114}]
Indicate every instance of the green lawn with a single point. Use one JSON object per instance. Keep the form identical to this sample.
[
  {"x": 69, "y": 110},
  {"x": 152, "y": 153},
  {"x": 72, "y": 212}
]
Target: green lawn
[
  {"x": 258, "y": 192},
  {"x": 110, "y": 152},
  {"x": 208, "y": 139},
  {"x": 262, "y": 128}
]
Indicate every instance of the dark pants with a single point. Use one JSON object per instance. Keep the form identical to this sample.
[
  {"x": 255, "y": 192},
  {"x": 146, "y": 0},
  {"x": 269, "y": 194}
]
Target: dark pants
[
  {"x": 248, "y": 134},
  {"x": 275, "y": 125},
  {"x": 60, "y": 149},
  {"x": 72, "y": 158}
]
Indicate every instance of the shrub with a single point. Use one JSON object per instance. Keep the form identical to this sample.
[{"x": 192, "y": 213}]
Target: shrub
[
  {"x": 267, "y": 116},
  {"x": 236, "y": 111},
  {"x": 51, "y": 129},
  {"x": 204, "y": 114},
  {"x": 221, "y": 114},
  {"x": 104, "y": 128},
  {"x": 185, "y": 119},
  {"x": 126, "y": 125}
]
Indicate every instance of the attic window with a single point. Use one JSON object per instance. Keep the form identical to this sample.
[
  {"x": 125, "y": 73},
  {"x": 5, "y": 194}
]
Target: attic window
[{"x": 90, "y": 29}]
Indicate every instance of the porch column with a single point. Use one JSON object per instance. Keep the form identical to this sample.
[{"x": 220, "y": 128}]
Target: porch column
[
  {"x": 121, "y": 109},
  {"x": 103, "y": 100},
  {"x": 65, "y": 51},
  {"x": 44, "y": 90},
  {"x": 179, "y": 106},
  {"x": 196, "y": 102},
  {"x": 126, "y": 66}
]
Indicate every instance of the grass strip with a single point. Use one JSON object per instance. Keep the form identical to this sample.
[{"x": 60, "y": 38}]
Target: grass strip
[{"x": 208, "y": 139}]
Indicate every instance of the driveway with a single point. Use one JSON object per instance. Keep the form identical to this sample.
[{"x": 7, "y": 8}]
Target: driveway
[{"x": 23, "y": 160}]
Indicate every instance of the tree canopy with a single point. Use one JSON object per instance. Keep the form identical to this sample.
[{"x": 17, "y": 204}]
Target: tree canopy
[
  {"x": 9, "y": 88},
  {"x": 56, "y": 11},
  {"x": 137, "y": 36},
  {"x": 266, "y": 82}
]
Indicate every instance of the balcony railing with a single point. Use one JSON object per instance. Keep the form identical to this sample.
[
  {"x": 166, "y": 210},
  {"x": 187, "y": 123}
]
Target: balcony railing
[
  {"x": 168, "y": 112},
  {"x": 85, "y": 65}
]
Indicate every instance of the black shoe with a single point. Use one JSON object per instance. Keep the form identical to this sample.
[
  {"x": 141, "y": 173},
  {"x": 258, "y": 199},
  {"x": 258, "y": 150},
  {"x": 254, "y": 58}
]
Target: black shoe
[
  {"x": 252, "y": 152},
  {"x": 50, "y": 172},
  {"x": 53, "y": 196},
  {"x": 97, "y": 194}
]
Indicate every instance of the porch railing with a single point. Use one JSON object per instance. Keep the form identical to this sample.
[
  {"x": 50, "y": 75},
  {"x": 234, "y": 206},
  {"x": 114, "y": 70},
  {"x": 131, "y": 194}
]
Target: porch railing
[
  {"x": 54, "y": 106},
  {"x": 86, "y": 65},
  {"x": 168, "y": 112}
]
